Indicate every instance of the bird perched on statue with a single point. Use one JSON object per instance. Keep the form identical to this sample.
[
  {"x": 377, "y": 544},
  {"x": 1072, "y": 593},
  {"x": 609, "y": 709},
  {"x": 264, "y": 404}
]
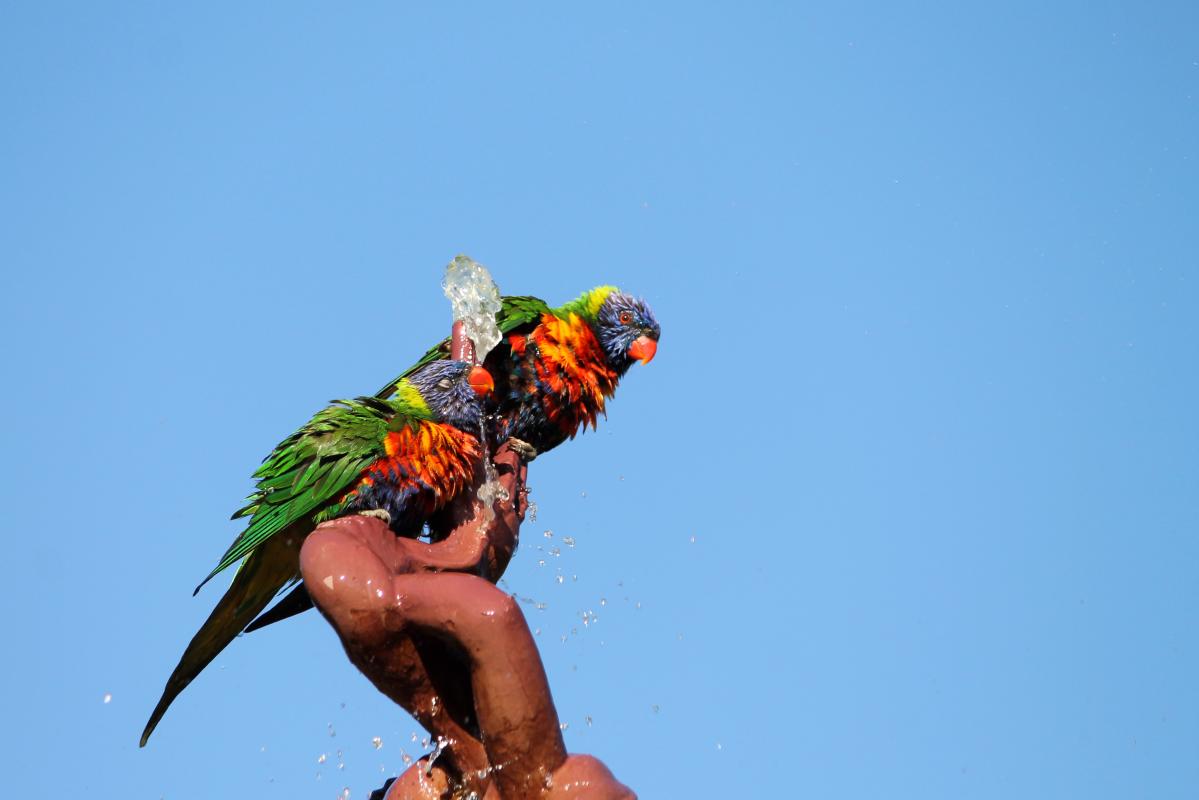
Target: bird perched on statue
[
  {"x": 400, "y": 458},
  {"x": 555, "y": 367}
]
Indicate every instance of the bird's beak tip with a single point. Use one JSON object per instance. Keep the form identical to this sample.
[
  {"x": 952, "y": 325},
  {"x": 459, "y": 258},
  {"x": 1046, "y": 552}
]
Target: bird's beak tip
[
  {"x": 480, "y": 380},
  {"x": 643, "y": 349}
]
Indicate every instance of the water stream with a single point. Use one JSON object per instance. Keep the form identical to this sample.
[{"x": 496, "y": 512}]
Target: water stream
[{"x": 475, "y": 300}]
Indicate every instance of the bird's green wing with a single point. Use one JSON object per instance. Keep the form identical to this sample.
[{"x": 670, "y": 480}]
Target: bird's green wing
[
  {"x": 515, "y": 311},
  {"x": 310, "y": 469},
  {"x": 520, "y": 310}
]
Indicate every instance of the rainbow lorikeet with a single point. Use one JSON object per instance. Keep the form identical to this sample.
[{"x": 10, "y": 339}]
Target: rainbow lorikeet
[
  {"x": 554, "y": 369},
  {"x": 400, "y": 458}
]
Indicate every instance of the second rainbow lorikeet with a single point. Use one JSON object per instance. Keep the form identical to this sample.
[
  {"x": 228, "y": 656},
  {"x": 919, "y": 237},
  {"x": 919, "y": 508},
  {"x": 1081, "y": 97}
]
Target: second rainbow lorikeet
[
  {"x": 400, "y": 458},
  {"x": 556, "y": 367}
]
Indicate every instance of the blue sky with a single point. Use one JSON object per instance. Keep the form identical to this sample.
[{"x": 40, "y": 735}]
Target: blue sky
[{"x": 925, "y": 397}]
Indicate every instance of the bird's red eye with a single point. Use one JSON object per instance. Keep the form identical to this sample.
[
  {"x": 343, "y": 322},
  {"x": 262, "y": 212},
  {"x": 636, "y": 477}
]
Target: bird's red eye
[{"x": 626, "y": 317}]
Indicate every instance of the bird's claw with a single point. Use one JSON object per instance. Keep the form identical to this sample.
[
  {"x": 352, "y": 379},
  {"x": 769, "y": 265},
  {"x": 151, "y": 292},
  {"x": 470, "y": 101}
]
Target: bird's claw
[
  {"x": 377, "y": 513},
  {"x": 526, "y": 451}
]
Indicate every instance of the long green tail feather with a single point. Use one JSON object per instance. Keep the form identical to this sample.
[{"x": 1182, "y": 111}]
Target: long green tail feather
[{"x": 264, "y": 573}]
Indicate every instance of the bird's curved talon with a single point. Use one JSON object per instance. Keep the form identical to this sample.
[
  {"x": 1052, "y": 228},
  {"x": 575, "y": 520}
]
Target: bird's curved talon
[
  {"x": 377, "y": 513},
  {"x": 526, "y": 451}
]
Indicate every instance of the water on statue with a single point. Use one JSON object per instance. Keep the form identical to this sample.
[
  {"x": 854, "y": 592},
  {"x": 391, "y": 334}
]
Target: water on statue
[{"x": 475, "y": 300}]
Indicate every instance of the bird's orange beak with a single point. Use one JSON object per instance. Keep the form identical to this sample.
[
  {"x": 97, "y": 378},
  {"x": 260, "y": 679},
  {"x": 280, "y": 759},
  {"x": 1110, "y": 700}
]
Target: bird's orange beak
[
  {"x": 643, "y": 349},
  {"x": 480, "y": 380}
]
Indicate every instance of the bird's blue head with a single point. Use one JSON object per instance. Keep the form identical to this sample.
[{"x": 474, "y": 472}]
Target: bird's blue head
[
  {"x": 454, "y": 392},
  {"x": 627, "y": 330}
]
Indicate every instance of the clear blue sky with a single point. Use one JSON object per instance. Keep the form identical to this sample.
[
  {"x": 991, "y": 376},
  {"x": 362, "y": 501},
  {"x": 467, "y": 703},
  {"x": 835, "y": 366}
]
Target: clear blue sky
[{"x": 926, "y": 396}]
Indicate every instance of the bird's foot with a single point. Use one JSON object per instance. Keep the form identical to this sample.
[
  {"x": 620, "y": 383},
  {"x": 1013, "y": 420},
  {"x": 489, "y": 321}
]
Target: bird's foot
[
  {"x": 526, "y": 451},
  {"x": 378, "y": 513}
]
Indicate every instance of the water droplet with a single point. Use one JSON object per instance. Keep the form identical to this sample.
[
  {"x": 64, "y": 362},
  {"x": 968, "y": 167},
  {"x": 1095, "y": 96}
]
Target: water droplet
[
  {"x": 377, "y": 742},
  {"x": 692, "y": 538},
  {"x": 548, "y": 534},
  {"x": 331, "y": 731},
  {"x": 407, "y": 759},
  {"x": 541, "y": 562},
  {"x": 322, "y": 758},
  {"x": 345, "y": 794},
  {"x": 107, "y": 698},
  {"x": 569, "y": 541},
  {"x": 655, "y": 708},
  {"x": 603, "y": 601},
  {"x": 588, "y": 718},
  {"x": 559, "y": 579},
  {"x": 719, "y": 746},
  {"x": 555, "y": 551},
  {"x": 563, "y": 725}
]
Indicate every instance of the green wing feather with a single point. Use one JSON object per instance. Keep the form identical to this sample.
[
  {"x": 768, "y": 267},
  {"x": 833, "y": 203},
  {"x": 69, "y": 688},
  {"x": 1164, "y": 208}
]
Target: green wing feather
[
  {"x": 310, "y": 469},
  {"x": 260, "y": 578},
  {"x": 515, "y": 312},
  {"x": 299, "y": 483}
]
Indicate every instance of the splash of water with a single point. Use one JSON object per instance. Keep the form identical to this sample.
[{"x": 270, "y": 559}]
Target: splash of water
[
  {"x": 475, "y": 300},
  {"x": 491, "y": 490}
]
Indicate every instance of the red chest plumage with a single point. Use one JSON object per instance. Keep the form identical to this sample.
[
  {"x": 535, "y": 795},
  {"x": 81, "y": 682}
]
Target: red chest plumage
[{"x": 570, "y": 371}]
